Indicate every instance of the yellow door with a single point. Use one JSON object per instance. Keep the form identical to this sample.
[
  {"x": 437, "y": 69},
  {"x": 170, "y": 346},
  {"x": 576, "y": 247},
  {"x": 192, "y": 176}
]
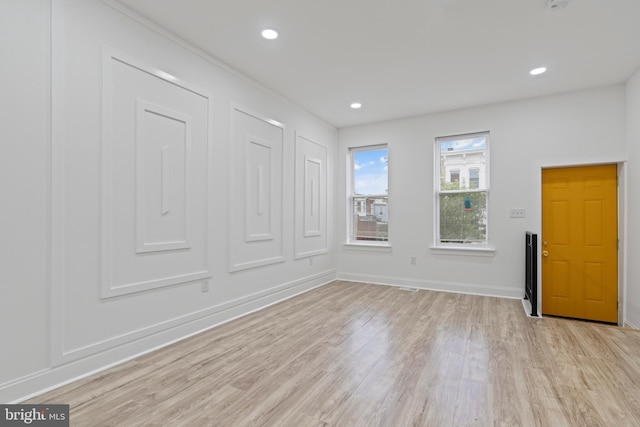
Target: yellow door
[{"x": 580, "y": 243}]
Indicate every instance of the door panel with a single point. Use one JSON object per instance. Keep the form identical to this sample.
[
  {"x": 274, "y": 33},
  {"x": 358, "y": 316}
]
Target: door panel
[{"x": 579, "y": 243}]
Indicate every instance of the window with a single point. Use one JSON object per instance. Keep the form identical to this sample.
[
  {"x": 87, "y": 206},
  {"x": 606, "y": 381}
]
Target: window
[
  {"x": 474, "y": 178},
  {"x": 369, "y": 195},
  {"x": 462, "y": 190},
  {"x": 454, "y": 176}
]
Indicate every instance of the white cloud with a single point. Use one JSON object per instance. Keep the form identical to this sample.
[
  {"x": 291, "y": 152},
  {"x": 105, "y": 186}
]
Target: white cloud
[
  {"x": 468, "y": 143},
  {"x": 478, "y": 142},
  {"x": 371, "y": 184}
]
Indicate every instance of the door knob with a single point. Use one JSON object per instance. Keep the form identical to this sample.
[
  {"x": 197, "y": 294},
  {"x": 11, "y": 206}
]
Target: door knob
[{"x": 545, "y": 253}]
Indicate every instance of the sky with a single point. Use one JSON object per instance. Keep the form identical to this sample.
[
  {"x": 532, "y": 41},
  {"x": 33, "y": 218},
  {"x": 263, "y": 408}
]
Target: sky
[
  {"x": 371, "y": 171},
  {"x": 478, "y": 142}
]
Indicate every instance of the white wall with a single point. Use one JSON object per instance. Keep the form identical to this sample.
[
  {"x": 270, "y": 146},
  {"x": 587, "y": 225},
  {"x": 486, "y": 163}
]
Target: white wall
[
  {"x": 66, "y": 317},
  {"x": 632, "y": 297},
  {"x": 56, "y": 324},
  {"x": 24, "y": 170},
  {"x": 576, "y": 128}
]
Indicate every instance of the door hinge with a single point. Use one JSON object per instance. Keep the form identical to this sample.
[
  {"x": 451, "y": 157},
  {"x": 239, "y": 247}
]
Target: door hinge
[
  {"x": 618, "y": 305},
  {"x": 618, "y": 244}
]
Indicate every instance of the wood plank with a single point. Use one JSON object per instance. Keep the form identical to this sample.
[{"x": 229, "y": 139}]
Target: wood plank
[{"x": 354, "y": 354}]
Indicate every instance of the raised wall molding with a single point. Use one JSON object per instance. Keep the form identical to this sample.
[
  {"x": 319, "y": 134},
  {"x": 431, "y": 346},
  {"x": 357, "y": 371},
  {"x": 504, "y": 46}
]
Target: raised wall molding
[
  {"x": 258, "y": 189},
  {"x": 163, "y": 178},
  {"x": 256, "y": 208},
  {"x": 154, "y": 178},
  {"x": 312, "y": 201},
  {"x": 310, "y": 198}
]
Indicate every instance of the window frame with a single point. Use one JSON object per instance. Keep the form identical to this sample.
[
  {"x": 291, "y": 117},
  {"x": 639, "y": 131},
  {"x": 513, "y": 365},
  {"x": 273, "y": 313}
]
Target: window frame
[
  {"x": 471, "y": 248},
  {"x": 351, "y": 241},
  {"x": 477, "y": 171},
  {"x": 457, "y": 175}
]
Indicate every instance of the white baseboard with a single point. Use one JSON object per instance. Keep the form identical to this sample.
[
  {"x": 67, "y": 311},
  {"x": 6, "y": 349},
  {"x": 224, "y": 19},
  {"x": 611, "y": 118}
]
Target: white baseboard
[
  {"x": 463, "y": 288},
  {"x": 526, "y": 304},
  {"x": 40, "y": 382},
  {"x": 628, "y": 324}
]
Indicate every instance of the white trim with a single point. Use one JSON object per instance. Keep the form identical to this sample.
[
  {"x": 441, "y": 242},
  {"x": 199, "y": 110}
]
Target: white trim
[
  {"x": 299, "y": 224},
  {"x": 623, "y": 196},
  {"x": 154, "y": 338},
  {"x": 628, "y": 324},
  {"x": 461, "y": 288},
  {"x": 107, "y": 288},
  {"x": 368, "y": 247},
  {"x": 250, "y": 142},
  {"x": 142, "y": 246},
  {"x": 537, "y": 166},
  {"x": 351, "y": 189},
  {"x": 312, "y": 193},
  {"x": 526, "y": 305},
  {"x": 308, "y": 254},
  {"x": 436, "y": 184},
  {"x": 233, "y": 264},
  {"x": 484, "y": 251},
  {"x": 253, "y": 264}
]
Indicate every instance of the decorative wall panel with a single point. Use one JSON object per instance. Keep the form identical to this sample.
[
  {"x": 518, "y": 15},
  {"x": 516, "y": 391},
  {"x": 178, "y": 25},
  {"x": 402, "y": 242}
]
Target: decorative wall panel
[
  {"x": 256, "y": 191},
  {"x": 311, "y": 198},
  {"x": 155, "y": 146},
  {"x": 163, "y": 178}
]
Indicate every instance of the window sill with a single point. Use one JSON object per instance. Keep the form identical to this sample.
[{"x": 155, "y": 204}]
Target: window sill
[
  {"x": 370, "y": 247},
  {"x": 484, "y": 251}
]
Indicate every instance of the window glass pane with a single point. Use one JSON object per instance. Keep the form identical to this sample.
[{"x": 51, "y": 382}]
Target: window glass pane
[
  {"x": 458, "y": 157},
  {"x": 370, "y": 218},
  {"x": 463, "y": 217},
  {"x": 370, "y": 171},
  {"x": 369, "y": 194},
  {"x": 454, "y": 179},
  {"x": 474, "y": 178}
]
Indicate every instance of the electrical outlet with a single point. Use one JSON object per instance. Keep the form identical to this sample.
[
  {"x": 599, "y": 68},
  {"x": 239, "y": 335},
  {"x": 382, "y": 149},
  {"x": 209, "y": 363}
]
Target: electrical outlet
[
  {"x": 205, "y": 286},
  {"x": 517, "y": 213},
  {"x": 413, "y": 260}
]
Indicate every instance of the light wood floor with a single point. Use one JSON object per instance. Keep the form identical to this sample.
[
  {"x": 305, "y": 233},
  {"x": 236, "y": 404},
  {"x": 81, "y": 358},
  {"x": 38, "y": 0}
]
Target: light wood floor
[{"x": 353, "y": 354}]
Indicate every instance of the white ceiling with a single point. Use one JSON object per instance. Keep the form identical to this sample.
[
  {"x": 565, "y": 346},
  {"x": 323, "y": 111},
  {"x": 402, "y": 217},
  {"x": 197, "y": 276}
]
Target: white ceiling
[{"x": 408, "y": 57}]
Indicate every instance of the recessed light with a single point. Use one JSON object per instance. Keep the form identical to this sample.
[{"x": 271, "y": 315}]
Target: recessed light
[
  {"x": 537, "y": 71},
  {"x": 269, "y": 34},
  {"x": 356, "y": 105}
]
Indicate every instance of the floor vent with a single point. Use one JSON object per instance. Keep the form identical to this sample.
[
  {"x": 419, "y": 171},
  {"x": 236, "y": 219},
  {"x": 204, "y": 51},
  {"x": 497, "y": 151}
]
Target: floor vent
[{"x": 404, "y": 288}]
